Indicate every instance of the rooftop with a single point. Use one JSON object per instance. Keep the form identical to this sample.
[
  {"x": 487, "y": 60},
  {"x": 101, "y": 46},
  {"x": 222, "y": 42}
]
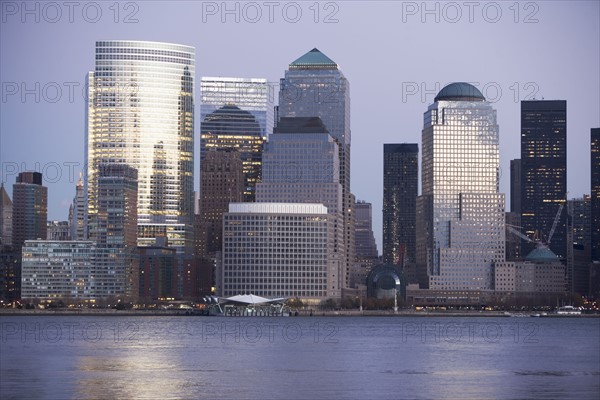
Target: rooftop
[
  {"x": 460, "y": 91},
  {"x": 314, "y": 59}
]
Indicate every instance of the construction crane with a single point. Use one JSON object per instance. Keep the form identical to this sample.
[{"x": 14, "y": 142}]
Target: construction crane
[{"x": 555, "y": 222}]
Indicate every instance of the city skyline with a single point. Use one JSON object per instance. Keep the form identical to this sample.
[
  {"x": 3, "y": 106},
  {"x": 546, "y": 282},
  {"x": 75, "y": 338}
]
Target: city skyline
[{"x": 387, "y": 102}]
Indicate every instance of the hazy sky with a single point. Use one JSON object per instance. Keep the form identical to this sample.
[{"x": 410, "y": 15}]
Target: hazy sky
[{"x": 396, "y": 55}]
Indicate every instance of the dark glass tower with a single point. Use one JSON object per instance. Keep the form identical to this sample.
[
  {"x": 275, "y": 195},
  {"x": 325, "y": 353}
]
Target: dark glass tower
[
  {"x": 595, "y": 186},
  {"x": 544, "y": 172},
  {"x": 30, "y": 209},
  {"x": 400, "y": 187}
]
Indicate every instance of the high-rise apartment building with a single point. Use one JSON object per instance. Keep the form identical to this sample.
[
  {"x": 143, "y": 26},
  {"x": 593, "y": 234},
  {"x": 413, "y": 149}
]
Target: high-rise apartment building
[
  {"x": 460, "y": 214},
  {"x": 230, "y": 127},
  {"x": 30, "y": 209},
  {"x": 253, "y": 95},
  {"x": 400, "y": 190},
  {"x": 544, "y": 172},
  {"x": 314, "y": 86},
  {"x": 141, "y": 113}
]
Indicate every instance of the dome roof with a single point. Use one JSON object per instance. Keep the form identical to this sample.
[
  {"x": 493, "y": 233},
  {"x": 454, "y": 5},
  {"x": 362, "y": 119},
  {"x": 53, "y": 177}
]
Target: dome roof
[
  {"x": 542, "y": 254},
  {"x": 231, "y": 120},
  {"x": 460, "y": 91}
]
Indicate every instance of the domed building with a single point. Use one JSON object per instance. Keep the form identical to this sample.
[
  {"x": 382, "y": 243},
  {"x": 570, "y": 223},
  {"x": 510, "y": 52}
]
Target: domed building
[
  {"x": 385, "y": 281},
  {"x": 230, "y": 127}
]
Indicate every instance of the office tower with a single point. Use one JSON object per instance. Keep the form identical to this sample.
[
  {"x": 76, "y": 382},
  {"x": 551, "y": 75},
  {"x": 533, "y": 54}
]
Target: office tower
[
  {"x": 221, "y": 183},
  {"x": 314, "y": 86},
  {"x": 544, "y": 172},
  {"x": 6, "y": 217},
  {"x": 253, "y": 95},
  {"x": 58, "y": 230},
  {"x": 279, "y": 250},
  {"x": 515, "y": 186},
  {"x": 141, "y": 113},
  {"x": 400, "y": 189},
  {"x": 460, "y": 215},
  {"x": 513, "y": 218},
  {"x": 114, "y": 230},
  {"x": 232, "y": 127},
  {"x": 30, "y": 208},
  {"x": 58, "y": 270},
  {"x": 77, "y": 212},
  {"x": 158, "y": 272},
  {"x": 513, "y": 239},
  {"x": 595, "y": 188},
  {"x": 301, "y": 165},
  {"x": 579, "y": 242},
  {"x": 366, "y": 248},
  {"x": 364, "y": 244}
]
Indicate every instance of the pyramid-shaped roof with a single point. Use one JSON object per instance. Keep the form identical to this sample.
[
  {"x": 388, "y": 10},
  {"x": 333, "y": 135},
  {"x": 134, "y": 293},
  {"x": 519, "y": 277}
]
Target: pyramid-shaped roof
[
  {"x": 542, "y": 254},
  {"x": 314, "y": 59}
]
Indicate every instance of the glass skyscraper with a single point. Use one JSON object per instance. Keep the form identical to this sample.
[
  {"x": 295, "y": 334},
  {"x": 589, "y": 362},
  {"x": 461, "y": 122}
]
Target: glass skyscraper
[
  {"x": 460, "y": 215},
  {"x": 141, "y": 113},
  {"x": 400, "y": 189},
  {"x": 230, "y": 127},
  {"x": 253, "y": 95},
  {"x": 314, "y": 86},
  {"x": 595, "y": 189},
  {"x": 544, "y": 172}
]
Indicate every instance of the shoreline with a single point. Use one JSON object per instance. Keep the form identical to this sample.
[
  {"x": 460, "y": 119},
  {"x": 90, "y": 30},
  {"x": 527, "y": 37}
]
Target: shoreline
[{"x": 301, "y": 313}]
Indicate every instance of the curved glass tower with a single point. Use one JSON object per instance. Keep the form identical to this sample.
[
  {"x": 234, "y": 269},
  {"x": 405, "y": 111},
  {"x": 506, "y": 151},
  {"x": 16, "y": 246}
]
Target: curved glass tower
[{"x": 141, "y": 113}]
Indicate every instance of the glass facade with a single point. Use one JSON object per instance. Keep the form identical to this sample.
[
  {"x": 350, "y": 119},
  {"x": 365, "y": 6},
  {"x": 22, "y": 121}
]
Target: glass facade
[
  {"x": 314, "y": 86},
  {"x": 230, "y": 127},
  {"x": 460, "y": 233},
  {"x": 400, "y": 189},
  {"x": 253, "y": 95},
  {"x": 278, "y": 250},
  {"x": 544, "y": 172},
  {"x": 141, "y": 113},
  {"x": 58, "y": 270},
  {"x": 595, "y": 195}
]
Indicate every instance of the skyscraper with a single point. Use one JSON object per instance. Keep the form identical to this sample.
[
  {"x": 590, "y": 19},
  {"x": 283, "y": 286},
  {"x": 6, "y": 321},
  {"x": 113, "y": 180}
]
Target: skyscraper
[
  {"x": 114, "y": 230},
  {"x": 77, "y": 212},
  {"x": 515, "y": 186},
  {"x": 141, "y": 113},
  {"x": 6, "y": 216},
  {"x": 30, "y": 209},
  {"x": 579, "y": 254},
  {"x": 301, "y": 165},
  {"x": 221, "y": 183},
  {"x": 230, "y": 127},
  {"x": 253, "y": 95},
  {"x": 314, "y": 86},
  {"x": 366, "y": 247},
  {"x": 544, "y": 172},
  {"x": 460, "y": 223},
  {"x": 595, "y": 187},
  {"x": 400, "y": 189}
]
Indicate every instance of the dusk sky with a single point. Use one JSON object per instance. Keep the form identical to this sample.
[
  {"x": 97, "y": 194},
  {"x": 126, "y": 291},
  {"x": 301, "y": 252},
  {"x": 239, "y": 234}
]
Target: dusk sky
[{"x": 396, "y": 56}]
